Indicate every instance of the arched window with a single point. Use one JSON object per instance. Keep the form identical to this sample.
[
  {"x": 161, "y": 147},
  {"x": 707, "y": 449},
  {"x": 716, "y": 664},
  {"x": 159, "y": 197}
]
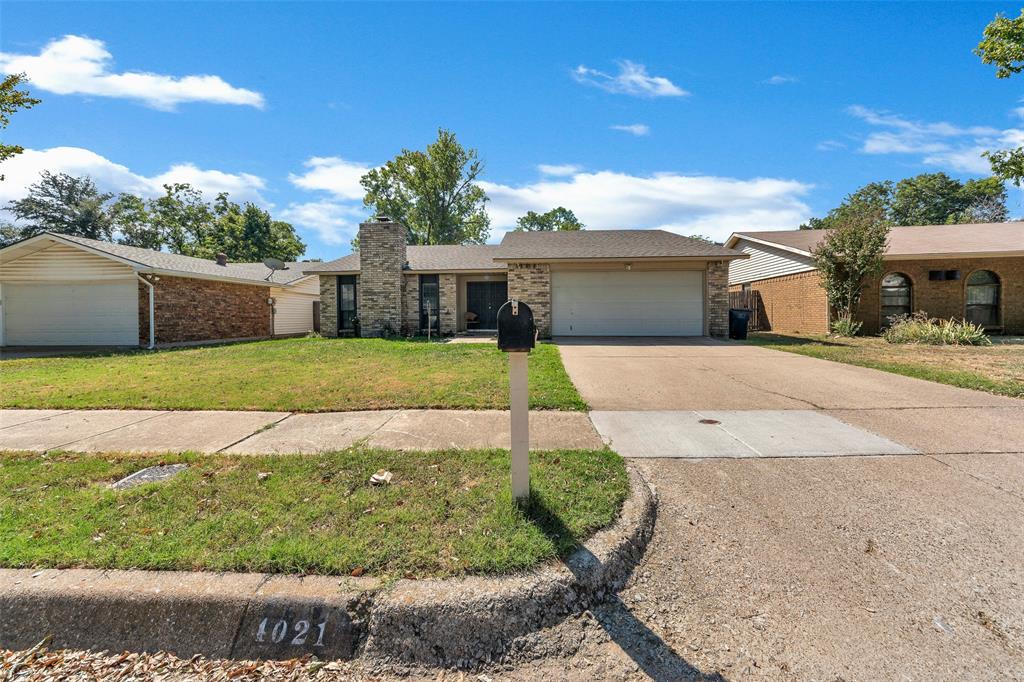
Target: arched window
[
  {"x": 982, "y": 300},
  {"x": 896, "y": 296}
]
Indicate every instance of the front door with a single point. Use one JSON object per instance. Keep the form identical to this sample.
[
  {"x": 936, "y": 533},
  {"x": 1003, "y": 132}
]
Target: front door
[{"x": 484, "y": 299}]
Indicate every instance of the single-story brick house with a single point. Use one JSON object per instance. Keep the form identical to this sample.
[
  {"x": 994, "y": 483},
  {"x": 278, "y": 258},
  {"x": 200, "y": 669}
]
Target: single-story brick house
[
  {"x": 585, "y": 283},
  {"x": 973, "y": 272},
  {"x": 60, "y": 290}
]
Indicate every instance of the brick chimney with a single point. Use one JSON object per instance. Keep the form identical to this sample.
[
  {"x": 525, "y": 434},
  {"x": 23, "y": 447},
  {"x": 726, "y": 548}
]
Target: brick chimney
[
  {"x": 222, "y": 259},
  {"x": 382, "y": 257}
]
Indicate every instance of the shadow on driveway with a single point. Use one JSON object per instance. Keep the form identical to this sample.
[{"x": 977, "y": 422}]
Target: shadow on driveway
[{"x": 649, "y": 651}]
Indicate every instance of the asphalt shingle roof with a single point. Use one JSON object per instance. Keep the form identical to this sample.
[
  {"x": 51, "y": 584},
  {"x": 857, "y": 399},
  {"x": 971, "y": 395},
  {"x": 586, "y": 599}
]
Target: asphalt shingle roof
[
  {"x": 188, "y": 265},
  {"x": 471, "y": 257},
  {"x": 919, "y": 240},
  {"x": 607, "y": 244}
]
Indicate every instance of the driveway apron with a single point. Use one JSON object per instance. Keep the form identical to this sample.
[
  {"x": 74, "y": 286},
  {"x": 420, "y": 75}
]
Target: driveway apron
[{"x": 700, "y": 397}]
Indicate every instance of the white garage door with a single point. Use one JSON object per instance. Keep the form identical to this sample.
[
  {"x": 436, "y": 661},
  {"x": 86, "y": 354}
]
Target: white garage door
[
  {"x": 71, "y": 314},
  {"x": 628, "y": 303}
]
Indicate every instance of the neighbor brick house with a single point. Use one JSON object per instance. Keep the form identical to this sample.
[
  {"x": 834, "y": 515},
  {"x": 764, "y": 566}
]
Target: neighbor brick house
[
  {"x": 590, "y": 282},
  {"x": 61, "y": 290},
  {"x": 973, "y": 272}
]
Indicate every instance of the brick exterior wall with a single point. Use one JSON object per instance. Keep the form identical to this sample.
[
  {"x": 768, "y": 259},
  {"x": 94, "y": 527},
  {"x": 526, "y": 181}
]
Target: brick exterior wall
[
  {"x": 716, "y": 300},
  {"x": 381, "y": 259},
  {"x": 329, "y": 305},
  {"x": 531, "y": 283},
  {"x": 791, "y": 303},
  {"x": 189, "y": 309},
  {"x": 946, "y": 299},
  {"x": 449, "y": 303},
  {"x": 410, "y": 305}
]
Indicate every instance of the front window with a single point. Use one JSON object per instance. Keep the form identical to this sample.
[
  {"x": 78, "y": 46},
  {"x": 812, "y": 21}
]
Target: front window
[
  {"x": 346, "y": 304},
  {"x": 896, "y": 296},
  {"x": 982, "y": 300},
  {"x": 430, "y": 303}
]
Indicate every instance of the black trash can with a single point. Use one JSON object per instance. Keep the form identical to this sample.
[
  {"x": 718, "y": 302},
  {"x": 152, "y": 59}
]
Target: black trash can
[{"x": 738, "y": 321}]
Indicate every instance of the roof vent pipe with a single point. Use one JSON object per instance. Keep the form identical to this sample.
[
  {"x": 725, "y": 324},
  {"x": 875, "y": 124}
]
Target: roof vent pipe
[{"x": 222, "y": 259}]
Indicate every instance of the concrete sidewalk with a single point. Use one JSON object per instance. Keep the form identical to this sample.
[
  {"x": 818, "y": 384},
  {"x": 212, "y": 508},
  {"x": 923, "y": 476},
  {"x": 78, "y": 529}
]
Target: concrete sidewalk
[{"x": 283, "y": 432}]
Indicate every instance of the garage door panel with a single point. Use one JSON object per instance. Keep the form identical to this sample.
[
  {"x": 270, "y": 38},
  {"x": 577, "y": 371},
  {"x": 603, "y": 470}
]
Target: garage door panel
[
  {"x": 71, "y": 314},
  {"x": 628, "y": 303}
]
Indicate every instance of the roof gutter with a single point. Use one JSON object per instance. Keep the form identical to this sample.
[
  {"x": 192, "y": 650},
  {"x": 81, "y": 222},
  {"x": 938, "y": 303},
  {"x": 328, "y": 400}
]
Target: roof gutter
[{"x": 623, "y": 259}]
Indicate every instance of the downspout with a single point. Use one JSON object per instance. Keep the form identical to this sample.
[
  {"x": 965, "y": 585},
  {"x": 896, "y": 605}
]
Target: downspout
[{"x": 152, "y": 315}]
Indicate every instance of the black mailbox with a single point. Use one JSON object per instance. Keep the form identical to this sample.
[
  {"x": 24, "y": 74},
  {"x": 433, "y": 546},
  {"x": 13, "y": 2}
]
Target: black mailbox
[{"x": 516, "y": 331}]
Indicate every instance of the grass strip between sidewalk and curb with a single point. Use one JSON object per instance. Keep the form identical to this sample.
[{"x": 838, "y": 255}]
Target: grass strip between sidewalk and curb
[
  {"x": 445, "y": 513},
  {"x": 997, "y": 369},
  {"x": 289, "y": 375}
]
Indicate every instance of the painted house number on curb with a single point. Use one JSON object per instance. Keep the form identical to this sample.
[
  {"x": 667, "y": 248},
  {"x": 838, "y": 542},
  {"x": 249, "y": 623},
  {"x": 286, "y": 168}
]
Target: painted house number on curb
[{"x": 279, "y": 630}]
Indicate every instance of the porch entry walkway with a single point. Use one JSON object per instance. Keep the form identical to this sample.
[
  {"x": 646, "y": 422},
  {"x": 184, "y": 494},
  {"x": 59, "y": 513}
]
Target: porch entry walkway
[{"x": 283, "y": 432}]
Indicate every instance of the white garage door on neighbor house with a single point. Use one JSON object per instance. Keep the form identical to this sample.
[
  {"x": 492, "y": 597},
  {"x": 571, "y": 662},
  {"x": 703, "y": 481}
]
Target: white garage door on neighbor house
[
  {"x": 71, "y": 313},
  {"x": 627, "y": 303}
]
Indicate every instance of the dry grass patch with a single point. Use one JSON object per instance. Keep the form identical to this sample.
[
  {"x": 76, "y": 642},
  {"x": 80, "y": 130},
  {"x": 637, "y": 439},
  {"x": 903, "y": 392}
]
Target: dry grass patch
[{"x": 998, "y": 368}]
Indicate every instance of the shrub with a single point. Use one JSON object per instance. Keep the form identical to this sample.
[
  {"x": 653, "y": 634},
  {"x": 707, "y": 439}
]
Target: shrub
[
  {"x": 919, "y": 328},
  {"x": 846, "y": 326}
]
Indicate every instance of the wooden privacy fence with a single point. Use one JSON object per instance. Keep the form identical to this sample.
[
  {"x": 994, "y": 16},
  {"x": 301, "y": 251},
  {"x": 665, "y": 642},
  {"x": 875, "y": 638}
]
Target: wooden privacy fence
[{"x": 751, "y": 300}]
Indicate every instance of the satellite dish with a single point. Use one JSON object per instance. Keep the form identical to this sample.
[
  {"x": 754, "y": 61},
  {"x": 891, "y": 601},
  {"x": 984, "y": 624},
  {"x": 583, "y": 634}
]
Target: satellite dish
[{"x": 275, "y": 264}]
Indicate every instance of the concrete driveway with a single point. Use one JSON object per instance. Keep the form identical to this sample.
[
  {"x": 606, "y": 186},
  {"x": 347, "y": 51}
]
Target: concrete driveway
[
  {"x": 710, "y": 398},
  {"x": 777, "y": 566}
]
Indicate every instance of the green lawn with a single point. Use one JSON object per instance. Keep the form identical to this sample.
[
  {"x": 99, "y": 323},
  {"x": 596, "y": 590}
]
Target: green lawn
[
  {"x": 998, "y": 368},
  {"x": 306, "y": 375},
  {"x": 445, "y": 513}
]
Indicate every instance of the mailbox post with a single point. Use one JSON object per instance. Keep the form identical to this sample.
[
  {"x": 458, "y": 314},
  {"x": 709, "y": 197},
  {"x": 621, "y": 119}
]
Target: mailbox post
[{"x": 517, "y": 335}]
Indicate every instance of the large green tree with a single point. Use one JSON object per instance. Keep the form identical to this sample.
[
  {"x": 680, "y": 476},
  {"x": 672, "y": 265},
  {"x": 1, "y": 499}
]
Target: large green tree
[
  {"x": 558, "y": 219},
  {"x": 62, "y": 203},
  {"x": 849, "y": 254},
  {"x": 248, "y": 234},
  {"x": 1002, "y": 45},
  {"x": 11, "y": 100},
  {"x": 179, "y": 220},
  {"x": 925, "y": 199},
  {"x": 434, "y": 193},
  {"x": 132, "y": 223}
]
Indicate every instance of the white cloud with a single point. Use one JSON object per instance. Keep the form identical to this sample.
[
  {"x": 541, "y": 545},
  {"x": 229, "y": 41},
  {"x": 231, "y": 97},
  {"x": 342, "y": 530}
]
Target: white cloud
[
  {"x": 334, "y": 222},
  {"x": 24, "y": 170},
  {"x": 76, "y": 65},
  {"x": 686, "y": 204},
  {"x": 632, "y": 79},
  {"x": 559, "y": 170},
  {"x": 332, "y": 174},
  {"x": 830, "y": 146},
  {"x": 637, "y": 129},
  {"x": 780, "y": 79},
  {"x": 939, "y": 143}
]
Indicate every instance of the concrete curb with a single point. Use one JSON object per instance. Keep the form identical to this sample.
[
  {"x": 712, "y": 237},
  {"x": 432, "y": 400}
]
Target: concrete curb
[
  {"x": 453, "y": 623},
  {"x": 467, "y": 622}
]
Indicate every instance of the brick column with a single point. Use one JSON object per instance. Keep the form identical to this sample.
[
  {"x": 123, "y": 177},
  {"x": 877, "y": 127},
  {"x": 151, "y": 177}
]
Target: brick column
[
  {"x": 329, "y": 305},
  {"x": 411, "y": 305},
  {"x": 449, "y": 304},
  {"x": 382, "y": 258},
  {"x": 717, "y": 297},
  {"x": 531, "y": 283}
]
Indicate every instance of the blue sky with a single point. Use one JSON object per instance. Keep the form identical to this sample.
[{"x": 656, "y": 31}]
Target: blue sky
[{"x": 700, "y": 118}]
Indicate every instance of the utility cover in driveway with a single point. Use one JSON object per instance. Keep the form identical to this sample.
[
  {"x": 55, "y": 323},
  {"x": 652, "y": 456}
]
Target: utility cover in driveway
[{"x": 737, "y": 433}]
